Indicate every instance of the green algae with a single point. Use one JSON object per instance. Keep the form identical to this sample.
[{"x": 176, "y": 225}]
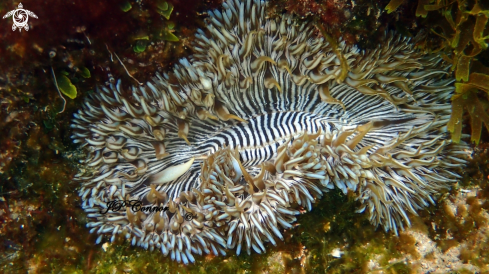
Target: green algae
[
  {"x": 125, "y": 6},
  {"x": 140, "y": 46},
  {"x": 169, "y": 36},
  {"x": 165, "y": 9},
  {"x": 66, "y": 87},
  {"x": 84, "y": 72},
  {"x": 393, "y": 5}
]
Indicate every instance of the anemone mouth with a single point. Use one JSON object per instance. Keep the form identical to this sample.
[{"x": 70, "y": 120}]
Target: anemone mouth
[{"x": 263, "y": 121}]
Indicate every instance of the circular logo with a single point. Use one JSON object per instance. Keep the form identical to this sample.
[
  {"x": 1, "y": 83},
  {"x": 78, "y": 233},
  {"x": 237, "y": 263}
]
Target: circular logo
[{"x": 20, "y": 17}]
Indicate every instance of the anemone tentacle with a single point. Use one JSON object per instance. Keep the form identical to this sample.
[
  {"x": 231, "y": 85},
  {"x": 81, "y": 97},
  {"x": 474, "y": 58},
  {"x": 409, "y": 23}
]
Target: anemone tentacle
[{"x": 263, "y": 119}]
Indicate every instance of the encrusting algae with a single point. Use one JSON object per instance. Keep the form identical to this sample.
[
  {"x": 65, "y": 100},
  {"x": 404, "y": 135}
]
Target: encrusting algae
[{"x": 254, "y": 127}]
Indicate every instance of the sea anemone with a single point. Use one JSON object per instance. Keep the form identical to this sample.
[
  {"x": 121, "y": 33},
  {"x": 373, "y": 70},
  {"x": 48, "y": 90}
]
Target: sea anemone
[{"x": 256, "y": 126}]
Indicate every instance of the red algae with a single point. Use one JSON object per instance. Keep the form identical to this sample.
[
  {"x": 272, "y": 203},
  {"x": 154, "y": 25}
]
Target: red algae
[{"x": 330, "y": 12}]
